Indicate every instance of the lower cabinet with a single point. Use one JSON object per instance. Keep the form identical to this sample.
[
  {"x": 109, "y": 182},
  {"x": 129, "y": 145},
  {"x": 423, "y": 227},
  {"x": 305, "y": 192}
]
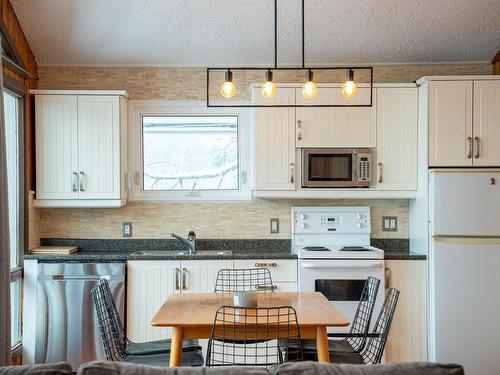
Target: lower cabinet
[
  {"x": 407, "y": 339},
  {"x": 150, "y": 282}
]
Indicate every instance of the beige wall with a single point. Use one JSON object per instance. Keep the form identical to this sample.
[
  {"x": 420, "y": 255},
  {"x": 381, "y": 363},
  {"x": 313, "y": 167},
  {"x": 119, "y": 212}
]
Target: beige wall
[{"x": 209, "y": 220}]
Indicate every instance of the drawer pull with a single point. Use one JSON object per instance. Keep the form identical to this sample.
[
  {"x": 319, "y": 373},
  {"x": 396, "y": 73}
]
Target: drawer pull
[
  {"x": 266, "y": 287},
  {"x": 266, "y": 265}
]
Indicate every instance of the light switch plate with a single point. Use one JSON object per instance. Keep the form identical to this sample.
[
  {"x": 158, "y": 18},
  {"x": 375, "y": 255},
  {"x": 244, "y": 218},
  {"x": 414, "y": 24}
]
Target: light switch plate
[
  {"x": 389, "y": 223},
  {"x": 127, "y": 229},
  {"x": 275, "y": 225}
]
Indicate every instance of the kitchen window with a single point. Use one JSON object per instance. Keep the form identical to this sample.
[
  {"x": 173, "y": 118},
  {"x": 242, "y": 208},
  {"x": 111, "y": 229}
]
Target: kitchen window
[
  {"x": 189, "y": 152},
  {"x": 14, "y": 135}
]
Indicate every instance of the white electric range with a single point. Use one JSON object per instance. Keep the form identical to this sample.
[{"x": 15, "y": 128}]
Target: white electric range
[{"x": 335, "y": 256}]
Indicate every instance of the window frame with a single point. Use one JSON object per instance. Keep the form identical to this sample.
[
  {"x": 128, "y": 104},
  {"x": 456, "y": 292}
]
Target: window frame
[
  {"x": 141, "y": 108},
  {"x": 15, "y": 88}
]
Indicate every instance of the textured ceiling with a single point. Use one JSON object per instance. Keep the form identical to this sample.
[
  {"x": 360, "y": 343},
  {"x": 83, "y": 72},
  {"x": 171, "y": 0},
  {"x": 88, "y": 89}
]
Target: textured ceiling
[{"x": 240, "y": 32}]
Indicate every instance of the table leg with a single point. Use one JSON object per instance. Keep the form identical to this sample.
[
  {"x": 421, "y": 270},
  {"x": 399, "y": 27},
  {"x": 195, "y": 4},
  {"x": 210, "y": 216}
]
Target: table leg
[
  {"x": 176, "y": 347},
  {"x": 322, "y": 344}
]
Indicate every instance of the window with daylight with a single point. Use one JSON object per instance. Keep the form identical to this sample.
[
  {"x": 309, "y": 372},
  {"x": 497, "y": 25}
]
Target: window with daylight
[{"x": 184, "y": 151}]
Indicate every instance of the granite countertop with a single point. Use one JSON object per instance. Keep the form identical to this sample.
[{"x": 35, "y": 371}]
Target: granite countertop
[{"x": 95, "y": 250}]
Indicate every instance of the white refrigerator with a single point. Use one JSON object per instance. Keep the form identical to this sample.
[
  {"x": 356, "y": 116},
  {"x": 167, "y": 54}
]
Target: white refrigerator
[{"x": 464, "y": 269}]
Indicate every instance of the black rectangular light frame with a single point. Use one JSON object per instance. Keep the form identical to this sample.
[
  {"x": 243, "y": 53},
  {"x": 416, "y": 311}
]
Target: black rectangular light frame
[{"x": 368, "y": 68}]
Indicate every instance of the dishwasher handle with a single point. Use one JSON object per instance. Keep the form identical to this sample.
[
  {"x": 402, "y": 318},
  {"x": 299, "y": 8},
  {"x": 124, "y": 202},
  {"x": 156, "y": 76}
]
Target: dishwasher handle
[{"x": 80, "y": 278}]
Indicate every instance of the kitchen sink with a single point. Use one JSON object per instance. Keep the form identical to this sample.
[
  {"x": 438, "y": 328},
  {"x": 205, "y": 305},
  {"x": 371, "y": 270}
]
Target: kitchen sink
[{"x": 182, "y": 252}]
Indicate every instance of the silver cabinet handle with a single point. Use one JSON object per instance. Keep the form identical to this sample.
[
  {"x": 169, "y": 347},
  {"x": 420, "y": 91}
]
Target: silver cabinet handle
[
  {"x": 82, "y": 175},
  {"x": 299, "y": 130},
  {"x": 184, "y": 272},
  {"x": 75, "y": 181},
  {"x": 476, "y": 139},
  {"x": 259, "y": 265},
  {"x": 387, "y": 278},
  {"x": 469, "y": 154},
  {"x": 266, "y": 287},
  {"x": 380, "y": 179},
  {"x": 177, "y": 271},
  {"x": 292, "y": 173}
]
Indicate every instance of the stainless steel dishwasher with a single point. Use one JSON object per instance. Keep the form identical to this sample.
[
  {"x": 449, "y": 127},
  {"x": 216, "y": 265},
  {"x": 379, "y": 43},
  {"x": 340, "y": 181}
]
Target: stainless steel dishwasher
[{"x": 66, "y": 324}]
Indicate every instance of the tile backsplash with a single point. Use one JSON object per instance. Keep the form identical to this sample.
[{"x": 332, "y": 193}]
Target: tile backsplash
[
  {"x": 222, "y": 220},
  {"x": 232, "y": 220}
]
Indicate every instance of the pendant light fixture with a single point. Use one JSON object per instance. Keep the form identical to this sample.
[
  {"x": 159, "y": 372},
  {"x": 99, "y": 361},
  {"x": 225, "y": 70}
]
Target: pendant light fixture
[
  {"x": 268, "y": 88},
  {"x": 227, "y": 89},
  {"x": 349, "y": 88},
  {"x": 309, "y": 88}
]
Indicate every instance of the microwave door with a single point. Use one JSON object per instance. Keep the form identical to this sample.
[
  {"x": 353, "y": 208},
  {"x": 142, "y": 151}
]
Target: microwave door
[{"x": 328, "y": 169}]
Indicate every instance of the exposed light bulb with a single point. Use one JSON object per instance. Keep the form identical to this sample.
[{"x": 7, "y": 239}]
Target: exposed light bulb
[
  {"x": 269, "y": 88},
  {"x": 309, "y": 90},
  {"x": 349, "y": 88},
  {"x": 227, "y": 89}
]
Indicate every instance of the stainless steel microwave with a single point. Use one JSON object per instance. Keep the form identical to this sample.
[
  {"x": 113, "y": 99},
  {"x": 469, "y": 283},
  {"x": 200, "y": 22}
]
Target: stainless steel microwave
[{"x": 336, "y": 167}]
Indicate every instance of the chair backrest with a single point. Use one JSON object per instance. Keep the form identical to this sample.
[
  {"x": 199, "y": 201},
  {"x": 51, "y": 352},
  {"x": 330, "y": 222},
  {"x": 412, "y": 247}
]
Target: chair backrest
[
  {"x": 254, "y": 337},
  {"x": 106, "y": 289},
  {"x": 243, "y": 280},
  {"x": 372, "y": 353},
  {"x": 112, "y": 341},
  {"x": 363, "y": 316}
]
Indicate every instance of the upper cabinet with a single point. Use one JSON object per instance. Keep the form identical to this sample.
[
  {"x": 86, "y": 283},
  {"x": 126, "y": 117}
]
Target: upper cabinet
[
  {"x": 450, "y": 123},
  {"x": 336, "y": 126},
  {"x": 463, "y": 122},
  {"x": 274, "y": 142},
  {"x": 80, "y": 148},
  {"x": 396, "y": 138}
]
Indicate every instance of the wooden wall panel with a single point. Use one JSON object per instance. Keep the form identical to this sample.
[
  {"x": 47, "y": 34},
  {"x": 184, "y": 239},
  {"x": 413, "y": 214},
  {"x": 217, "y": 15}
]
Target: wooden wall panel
[{"x": 14, "y": 28}]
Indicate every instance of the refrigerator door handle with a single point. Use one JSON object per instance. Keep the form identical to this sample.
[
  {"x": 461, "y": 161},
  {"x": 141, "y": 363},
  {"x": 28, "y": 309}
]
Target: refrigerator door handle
[{"x": 458, "y": 239}]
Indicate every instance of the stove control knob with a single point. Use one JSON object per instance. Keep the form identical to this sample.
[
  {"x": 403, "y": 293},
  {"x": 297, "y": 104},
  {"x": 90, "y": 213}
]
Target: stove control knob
[
  {"x": 359, "y": 225},
  {"x": 302, "y": 225},
  {"x": 302, "y": 216},
  {"x": 358, "y": 216}
]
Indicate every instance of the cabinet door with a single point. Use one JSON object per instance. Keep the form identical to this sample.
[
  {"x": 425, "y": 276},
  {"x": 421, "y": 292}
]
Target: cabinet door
[
  {"x": 487, "y": 123},
  {"x": 407, "y": 339},
  {"x": 99, "y": 147},
  {"x": 198, "y": 276},
  {"x": 450, "y": 123},
  {"x": 274, "y": 140},
  {"x": 396, "y": 139},
  {"x": 56, "y": 147},
  {"x": 336, "y": 126},
  {"x": 149, "y": 283}
]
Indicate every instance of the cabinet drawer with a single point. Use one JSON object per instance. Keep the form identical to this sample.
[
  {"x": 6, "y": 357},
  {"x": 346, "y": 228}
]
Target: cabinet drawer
[{"x": 281, "y": 269}]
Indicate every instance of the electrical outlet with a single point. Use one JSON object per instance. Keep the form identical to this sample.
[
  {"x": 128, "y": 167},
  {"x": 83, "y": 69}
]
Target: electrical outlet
[
  {"x": 127, "y": 229},
  {"x": 275, "y": 225},
  {"x": 389, "y": 223}
]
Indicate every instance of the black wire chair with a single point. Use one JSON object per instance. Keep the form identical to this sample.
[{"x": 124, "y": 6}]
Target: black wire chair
[
  {"x": 374, "y": 349},
  {"x": 113, "y": 341},
  {"x": 355, "y": 340},
  {"x": 262, "y": 336},
  {"x": 244, "y": 280},
  {"x": 140, "y": 348}
]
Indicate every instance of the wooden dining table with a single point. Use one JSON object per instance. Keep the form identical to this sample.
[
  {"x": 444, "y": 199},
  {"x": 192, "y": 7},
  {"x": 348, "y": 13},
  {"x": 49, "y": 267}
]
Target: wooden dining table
[{"x": 191, "y": 315}]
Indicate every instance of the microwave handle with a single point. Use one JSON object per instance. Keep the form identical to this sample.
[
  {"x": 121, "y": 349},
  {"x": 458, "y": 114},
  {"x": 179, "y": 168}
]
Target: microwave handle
[{"x": 355, "y": 163}]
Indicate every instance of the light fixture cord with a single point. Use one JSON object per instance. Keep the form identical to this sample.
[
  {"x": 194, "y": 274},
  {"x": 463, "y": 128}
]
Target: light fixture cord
[
  {"x": 275, "y": 33},
  {"x": 303, "y": 37}
]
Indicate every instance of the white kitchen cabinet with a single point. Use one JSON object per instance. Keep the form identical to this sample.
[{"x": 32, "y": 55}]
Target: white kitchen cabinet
[
  {"x": 149, "y": 283},
  {"x": 396, "y": 165},
  {"x": 274, "y": 142},
  {"x": 336, "y": 126},
  {"x": 80, "y": 148},
  {"x": 407, "y": 341},
  {"x": 198, "y": 276},
  {"x": 56, "y": 152},
  {"x": 486, "y": 124},
  {"x": 282, "y": 270},
  {"x": 450, "y": 123}
]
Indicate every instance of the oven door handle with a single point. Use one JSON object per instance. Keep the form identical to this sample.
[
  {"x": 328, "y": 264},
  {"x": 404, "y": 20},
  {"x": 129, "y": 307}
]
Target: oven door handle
[{"x": 364, "y": 264}]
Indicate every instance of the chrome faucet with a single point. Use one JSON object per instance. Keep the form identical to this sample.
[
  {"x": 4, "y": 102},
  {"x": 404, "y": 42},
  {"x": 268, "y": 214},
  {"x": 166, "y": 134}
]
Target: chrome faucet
[{"x": 190, "y": 241}]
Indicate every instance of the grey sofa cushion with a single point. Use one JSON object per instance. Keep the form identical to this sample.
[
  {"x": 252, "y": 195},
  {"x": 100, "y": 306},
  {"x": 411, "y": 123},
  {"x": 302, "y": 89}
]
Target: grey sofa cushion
[
  {"x": 45, "y": 369},
  {"x": 123, "y": 368},
  {"x": 409, "y": 368}
]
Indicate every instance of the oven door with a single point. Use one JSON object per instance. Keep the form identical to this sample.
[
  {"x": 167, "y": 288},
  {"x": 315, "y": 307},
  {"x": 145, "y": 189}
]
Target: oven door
[
  {"x": 329, "y": 167},
  {"x": 342, "y": 282}
]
